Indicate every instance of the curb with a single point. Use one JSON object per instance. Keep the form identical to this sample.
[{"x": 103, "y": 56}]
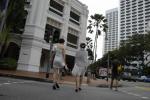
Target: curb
[
  {"x": 50, "y": 81},
  {"x": 35, "y": 79},
  {"x": 26, "y": 78}
]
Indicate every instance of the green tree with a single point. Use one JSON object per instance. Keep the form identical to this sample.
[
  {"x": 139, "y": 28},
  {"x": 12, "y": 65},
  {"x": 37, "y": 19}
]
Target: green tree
[
  {"x": 16, "y": 16},
  {"x": 14, "y": 23},
  {"x": 147, "y": 42},
  {"x": 97, "y": 23},
  {"x": 135, "y": 47},
  {"x": 4, "y": 40},
  {"x": 89, "y": 43}
]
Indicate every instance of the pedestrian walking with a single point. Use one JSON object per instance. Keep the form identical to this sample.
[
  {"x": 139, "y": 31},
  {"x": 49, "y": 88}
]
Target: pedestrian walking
[
  {"x": 114, "y": 74},
  {"x": 80, "y": 67},
  {"x": 58, "y": 62}
]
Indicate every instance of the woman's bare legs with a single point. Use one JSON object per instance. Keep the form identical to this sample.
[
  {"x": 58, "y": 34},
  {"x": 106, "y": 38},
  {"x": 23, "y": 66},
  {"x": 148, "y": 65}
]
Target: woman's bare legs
[
  {"x": 80, "y": 82},
  {"x": 56, "y": 77},
  {"x": 77, "y": 81}
]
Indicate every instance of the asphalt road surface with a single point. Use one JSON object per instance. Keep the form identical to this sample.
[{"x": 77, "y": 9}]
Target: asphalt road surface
[{"x": 18, "y": 89}]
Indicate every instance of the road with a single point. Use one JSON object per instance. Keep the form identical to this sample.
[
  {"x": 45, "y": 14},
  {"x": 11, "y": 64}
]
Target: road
[{"x": 17, "y": 89}]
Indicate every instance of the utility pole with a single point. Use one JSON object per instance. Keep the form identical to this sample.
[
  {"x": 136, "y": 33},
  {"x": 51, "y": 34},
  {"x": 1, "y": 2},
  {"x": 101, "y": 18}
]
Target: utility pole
[
  {"x": 106, "y": 39},
  {"x": 108, "y": 66}
]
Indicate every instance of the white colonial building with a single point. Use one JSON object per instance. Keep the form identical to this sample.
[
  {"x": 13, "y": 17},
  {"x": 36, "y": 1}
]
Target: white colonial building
[{"x": 65, "y": 18}]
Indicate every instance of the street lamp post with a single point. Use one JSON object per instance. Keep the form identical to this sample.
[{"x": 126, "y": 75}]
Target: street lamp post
[
  {"x": 108, "y": 66},
  {"x": 49, "y": 64},
  {"x": 106, "y": 39}
]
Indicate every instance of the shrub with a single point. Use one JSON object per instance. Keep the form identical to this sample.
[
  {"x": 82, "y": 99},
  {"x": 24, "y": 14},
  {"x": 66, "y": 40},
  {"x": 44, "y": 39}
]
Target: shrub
[{"x": 8, "y": 64}]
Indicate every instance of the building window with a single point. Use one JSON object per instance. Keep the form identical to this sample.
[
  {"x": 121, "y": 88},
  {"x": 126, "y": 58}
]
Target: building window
[
  {"x": 56, "y": 7},
  {"x": 49, "y": 33},
  {"x": 75, "y": 17},
  {"x": 72, "y": 38}
]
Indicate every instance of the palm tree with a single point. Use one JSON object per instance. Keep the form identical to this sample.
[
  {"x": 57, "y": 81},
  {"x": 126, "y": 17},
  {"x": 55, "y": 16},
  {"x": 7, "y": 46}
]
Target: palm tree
[
  {"x": 89, "y": 44},
  {"x": 98, "y": 21}
]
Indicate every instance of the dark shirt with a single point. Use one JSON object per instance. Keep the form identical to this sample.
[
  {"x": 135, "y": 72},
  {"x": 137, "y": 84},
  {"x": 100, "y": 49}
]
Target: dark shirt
[{"x": 114, "y": 69}]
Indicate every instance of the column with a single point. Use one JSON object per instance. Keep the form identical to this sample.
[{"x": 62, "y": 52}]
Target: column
[
  {"x": 84, "y": 17},
  {"x": 66, "y": 17},
  {"x": 33, "y": 36}
]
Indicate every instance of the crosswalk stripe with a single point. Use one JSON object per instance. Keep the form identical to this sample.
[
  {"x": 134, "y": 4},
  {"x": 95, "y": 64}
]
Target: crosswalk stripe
[
  {"x": 133, "y": 94},
  {"x": 143, "y": 88},
  {"x": 8, "y": 83}
]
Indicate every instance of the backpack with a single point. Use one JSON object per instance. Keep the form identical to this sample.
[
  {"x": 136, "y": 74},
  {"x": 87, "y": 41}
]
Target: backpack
[{"x": 119, "y": 68}]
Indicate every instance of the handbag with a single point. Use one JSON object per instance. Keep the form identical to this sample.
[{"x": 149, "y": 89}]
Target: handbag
[
  {"x": 65, "y": 69},
  {"x": 75, "y": 70}
]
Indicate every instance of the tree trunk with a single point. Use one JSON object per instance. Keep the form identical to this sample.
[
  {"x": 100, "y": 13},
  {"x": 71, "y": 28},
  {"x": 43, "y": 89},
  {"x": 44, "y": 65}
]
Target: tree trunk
[
  {"x": 94, "y": 49},
  {"x": 95, "y": 44}
]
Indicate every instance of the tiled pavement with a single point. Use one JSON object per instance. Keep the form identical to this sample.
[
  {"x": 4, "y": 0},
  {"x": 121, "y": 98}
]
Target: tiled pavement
[{"x": 40, "y": 76}]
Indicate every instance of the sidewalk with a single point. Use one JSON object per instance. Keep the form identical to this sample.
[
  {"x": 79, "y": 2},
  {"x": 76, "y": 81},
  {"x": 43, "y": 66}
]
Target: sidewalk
[{"x": 40, "y": 76}]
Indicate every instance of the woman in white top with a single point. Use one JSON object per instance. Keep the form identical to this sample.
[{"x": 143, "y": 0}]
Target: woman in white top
[
  {"x": 80, "y": 67},
  {"x": 58, "y": 62}
]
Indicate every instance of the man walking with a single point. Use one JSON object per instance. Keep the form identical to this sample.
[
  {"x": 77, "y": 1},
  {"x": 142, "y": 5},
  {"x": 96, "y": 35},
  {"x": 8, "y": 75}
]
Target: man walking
[{"x": 114, "y": 74}]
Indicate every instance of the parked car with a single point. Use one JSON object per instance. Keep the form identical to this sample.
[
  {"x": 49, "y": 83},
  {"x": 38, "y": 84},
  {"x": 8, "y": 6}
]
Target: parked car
[
  {"x": 144, "y": 78},
  {"x": 147, "y": 79},
  {"x": 129, "y": 77}
]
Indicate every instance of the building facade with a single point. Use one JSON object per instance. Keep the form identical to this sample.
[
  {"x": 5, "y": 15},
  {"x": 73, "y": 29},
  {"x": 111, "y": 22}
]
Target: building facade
[
  {"x": 111, "y": 41},
  {"x": 58, "y": 18},
  {"x": 134, "y": 17}
]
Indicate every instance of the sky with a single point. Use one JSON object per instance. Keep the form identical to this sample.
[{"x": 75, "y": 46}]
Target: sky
[{"x": 100, "y": 7}]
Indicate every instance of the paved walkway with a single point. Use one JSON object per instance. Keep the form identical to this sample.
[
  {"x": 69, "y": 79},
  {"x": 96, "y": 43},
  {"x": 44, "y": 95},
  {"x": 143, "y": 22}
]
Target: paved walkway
[{"x": 41, "y": 76}]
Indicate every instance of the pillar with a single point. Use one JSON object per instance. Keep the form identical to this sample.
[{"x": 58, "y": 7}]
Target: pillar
[{"x": 33, "y": 36}]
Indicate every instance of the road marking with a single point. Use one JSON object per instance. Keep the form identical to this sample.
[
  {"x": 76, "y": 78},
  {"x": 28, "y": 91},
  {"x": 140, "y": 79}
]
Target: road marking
[
  {"x": 143, "y": 88},
  {"x": 133, "y": 94},
  {"x": 15, "y": 83},
  {"x": 136, "y": 95},
  {"x": 144, "y": 97},
  {"x": 6, "y": 83}
]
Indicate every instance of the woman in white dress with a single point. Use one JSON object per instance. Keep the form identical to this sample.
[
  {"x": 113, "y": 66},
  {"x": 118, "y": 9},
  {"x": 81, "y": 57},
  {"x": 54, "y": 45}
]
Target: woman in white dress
[
  {"x": 80, "y": 67},
  {"x": 58, "y": 62}
]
